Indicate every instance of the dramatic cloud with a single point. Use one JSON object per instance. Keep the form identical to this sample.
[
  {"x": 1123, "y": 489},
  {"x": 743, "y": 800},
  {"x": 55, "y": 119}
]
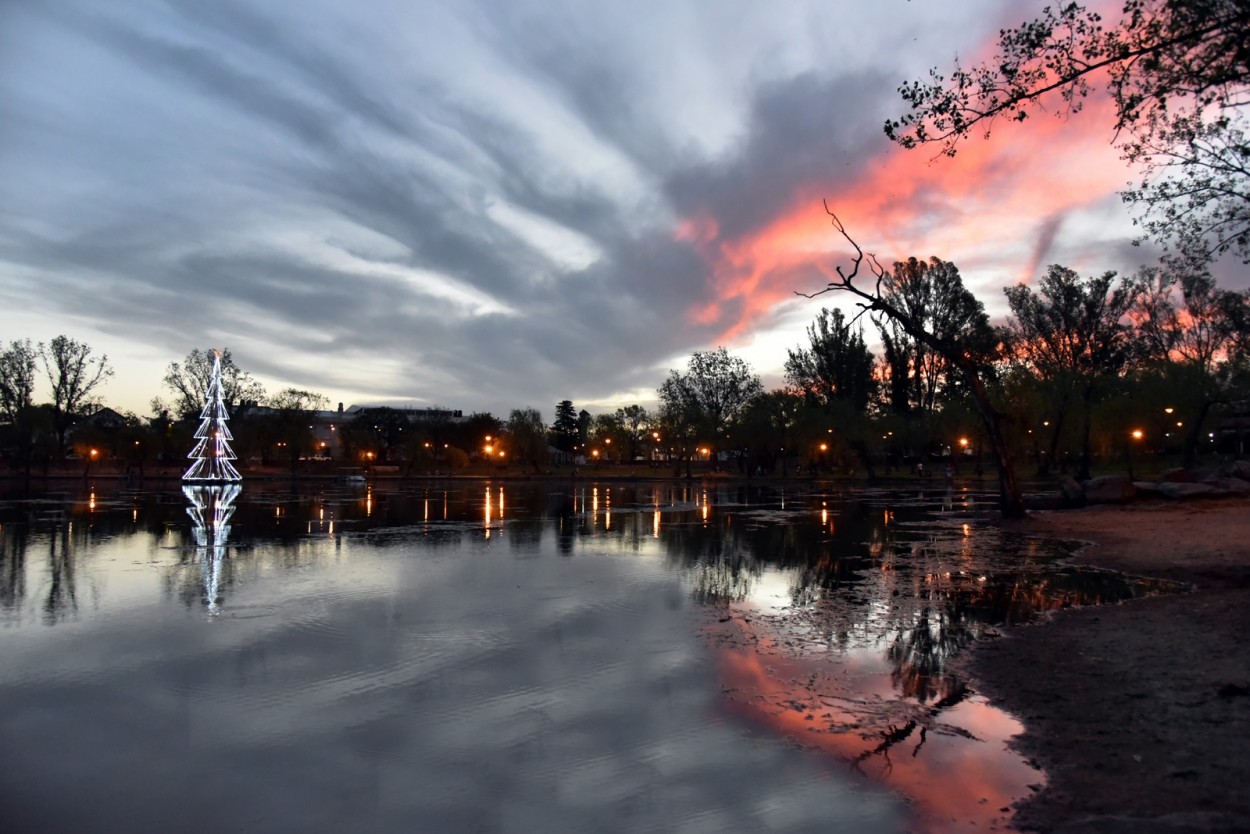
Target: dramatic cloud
[{"x": 487, "y": 205}]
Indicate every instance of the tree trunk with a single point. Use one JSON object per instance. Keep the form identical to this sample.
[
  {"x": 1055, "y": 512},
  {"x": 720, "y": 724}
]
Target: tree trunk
[
  {"x": 861, "y": 451},
  {"x": 1053, "y": 449},
  {"x": 1194, "y": 436},
  {"x": 1010, "y": 499},
  {"x": 1086, "y": 430}
]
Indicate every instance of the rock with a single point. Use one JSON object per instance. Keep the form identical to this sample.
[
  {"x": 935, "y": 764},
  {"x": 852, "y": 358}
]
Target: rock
[
  {"x": 1147, "y": 489},
  {"x": 1046, "y": 501},
  {"x": 1239, "y": 469},
  {"x": 1180, "y": 491},
  {"x": 1109, "y": 489},
  {"x": 1071, "y": 491},
  {"x": 1232, "y": 486},
  {"x": 1178, "y": 475}
]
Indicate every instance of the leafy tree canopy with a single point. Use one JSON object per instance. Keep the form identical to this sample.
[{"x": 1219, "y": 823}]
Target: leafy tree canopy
[{"x": 1178, "y": 72}]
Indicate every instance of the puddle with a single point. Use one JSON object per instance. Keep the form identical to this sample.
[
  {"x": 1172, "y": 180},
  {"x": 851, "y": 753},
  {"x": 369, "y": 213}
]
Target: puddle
[{"x": 851, "y": 654}]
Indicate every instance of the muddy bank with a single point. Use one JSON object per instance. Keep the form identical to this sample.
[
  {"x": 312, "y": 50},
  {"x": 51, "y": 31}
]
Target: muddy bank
[{"x": 1139, "y": 713}]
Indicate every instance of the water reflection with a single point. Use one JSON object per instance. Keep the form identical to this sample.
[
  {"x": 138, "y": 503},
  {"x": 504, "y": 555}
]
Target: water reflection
[
  {"x": 833, "y": 616},
  {"x": 210, "y": 509}
]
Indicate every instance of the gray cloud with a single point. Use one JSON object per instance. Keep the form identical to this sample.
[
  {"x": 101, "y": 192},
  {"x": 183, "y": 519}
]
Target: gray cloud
[{"x": 475, "y": 206}]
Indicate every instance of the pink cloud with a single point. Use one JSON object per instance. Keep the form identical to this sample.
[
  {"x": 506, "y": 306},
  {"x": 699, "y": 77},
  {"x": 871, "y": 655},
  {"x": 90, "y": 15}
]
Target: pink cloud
[{"x": 997, "y": 203}]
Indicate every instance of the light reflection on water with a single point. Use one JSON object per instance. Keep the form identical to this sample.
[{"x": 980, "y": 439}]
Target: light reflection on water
[{"x": 508, "y": 657}]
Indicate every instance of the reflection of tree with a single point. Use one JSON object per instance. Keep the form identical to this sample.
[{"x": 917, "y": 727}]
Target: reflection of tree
[
  {"x": 12, "y": 565},
  {"x": 210, "y": 510},
  {"x": 919, "y": 654},
  {"x": 62, "y": 593}
]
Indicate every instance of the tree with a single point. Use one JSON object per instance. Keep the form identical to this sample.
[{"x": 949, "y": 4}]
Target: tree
[
  {"x": 635, "y": 423},
  {"x": 931, "y": 295},
  {"x": 17, "y": 378},
  {"x": 527, "y": 437},
  {"x": 74, "y": 373},
  {"x": 17, "y": 387},
  {"x": 765, "y": 429},
  {"x": 608, "y": 435},
  {"x": 835, "y": 375},
  {"x": 565, "y": 432},
  {"x": 837, "y": 364},
  {"x": 382, "y": 430},
  {"x": 1178, "y": 73},
  {"x": 705, "y": 399},
  {"x": 969, "y": 350},
  {"x": 1073, "y": 333},
  {"x": 189, "y": 380},
  {"x": 291, "y": 421},
  {"x": 1189, "y": 333}
]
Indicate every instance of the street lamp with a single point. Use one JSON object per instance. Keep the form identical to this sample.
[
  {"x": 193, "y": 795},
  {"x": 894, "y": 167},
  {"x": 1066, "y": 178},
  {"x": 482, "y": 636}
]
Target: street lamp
[{"x": 1136, "y": 435}]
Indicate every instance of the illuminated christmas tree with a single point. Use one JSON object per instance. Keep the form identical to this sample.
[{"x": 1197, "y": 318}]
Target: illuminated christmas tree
[{"x": 212, "y": 453}]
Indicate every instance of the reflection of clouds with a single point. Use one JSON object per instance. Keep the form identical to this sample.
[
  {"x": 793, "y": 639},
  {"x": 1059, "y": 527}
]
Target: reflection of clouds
[{"x": 211, "y": 508}]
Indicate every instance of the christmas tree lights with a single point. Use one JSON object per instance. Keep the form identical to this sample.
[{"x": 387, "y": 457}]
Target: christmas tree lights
[{"x": 212, "y": 453}]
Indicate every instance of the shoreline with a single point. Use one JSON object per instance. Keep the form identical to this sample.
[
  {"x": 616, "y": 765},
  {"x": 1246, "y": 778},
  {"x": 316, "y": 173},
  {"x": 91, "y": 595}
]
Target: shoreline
[{"x": 1138, "y": 713}]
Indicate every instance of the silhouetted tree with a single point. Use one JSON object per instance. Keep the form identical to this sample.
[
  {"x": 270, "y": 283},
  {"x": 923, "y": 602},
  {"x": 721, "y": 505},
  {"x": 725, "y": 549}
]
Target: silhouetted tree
[
  {"x": 292, "y": 416},
  {"x": 635, "y": 423},
  {"x": 705, "y": 399},
  {"x": 970, "y": 350},
  {"x": 1074, "y": 334},
  {"x": 564, "y": 430},
  {"x": 527, "y": 437},
  {"x": 17, "y": 386},
  {"x": 1177, "y": 72},
  {"x": 74, "y": 371},
  {"x": 834, "y": 374},
  {"x": 1188, "y": 331},
  {"x": 189, "y": 379}
]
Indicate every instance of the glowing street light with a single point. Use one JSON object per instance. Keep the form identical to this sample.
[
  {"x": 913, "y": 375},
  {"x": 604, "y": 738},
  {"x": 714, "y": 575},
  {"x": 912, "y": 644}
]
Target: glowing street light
[{"x": 1137, "y": 435}]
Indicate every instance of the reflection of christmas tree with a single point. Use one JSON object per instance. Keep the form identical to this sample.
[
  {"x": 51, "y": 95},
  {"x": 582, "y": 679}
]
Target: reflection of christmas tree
[
  {"x": 212, "y": 453},
  {"x": 210, "y": 511}
]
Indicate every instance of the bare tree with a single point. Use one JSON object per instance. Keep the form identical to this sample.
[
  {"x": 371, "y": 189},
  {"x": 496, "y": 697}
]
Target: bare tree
[
  {"x": 968, "y": 350},
  {"x": 189, "y": 380},
  {"x": 75, "y": 372}
]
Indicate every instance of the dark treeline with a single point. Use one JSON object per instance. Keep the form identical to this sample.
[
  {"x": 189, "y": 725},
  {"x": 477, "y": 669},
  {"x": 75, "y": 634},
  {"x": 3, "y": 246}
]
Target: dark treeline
[{"x": 1084, "y": 371}]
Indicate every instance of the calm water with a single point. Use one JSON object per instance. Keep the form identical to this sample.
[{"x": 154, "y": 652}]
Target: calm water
[{"x": 515, "y": 657}]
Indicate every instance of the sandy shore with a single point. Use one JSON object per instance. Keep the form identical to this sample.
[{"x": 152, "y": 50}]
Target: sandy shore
[{"x": 1139, "y": 713}]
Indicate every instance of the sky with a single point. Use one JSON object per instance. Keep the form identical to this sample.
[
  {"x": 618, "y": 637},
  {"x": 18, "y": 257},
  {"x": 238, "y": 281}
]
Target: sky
[{"x": 486, "y": 205}]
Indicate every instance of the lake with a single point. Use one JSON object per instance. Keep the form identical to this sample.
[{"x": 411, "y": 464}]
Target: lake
[{"x": 510, "y": 657}]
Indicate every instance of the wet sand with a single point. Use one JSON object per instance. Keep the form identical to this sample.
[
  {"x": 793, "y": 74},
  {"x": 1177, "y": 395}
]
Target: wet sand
[{"x": 1139, "y": 713}]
